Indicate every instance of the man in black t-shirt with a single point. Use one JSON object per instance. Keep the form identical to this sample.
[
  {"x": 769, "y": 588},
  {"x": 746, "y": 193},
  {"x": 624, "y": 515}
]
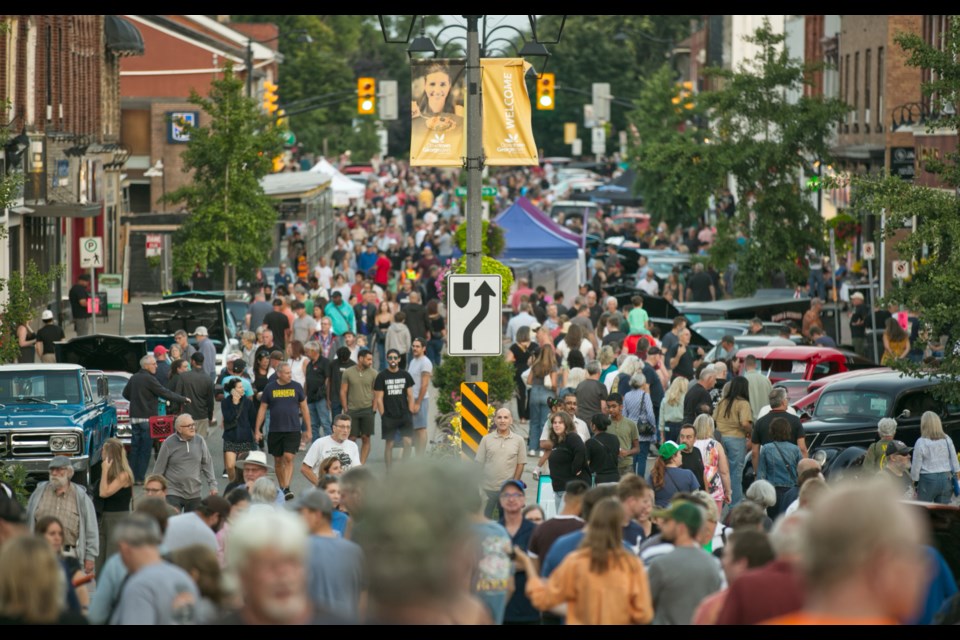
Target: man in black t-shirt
[
  {"x": 337, "y": 366},
  {"x": 700, "y": 286},
  {"x": 49, "y": 333},
  {"x": 859, "y": 321},
  {"x": 761, "y": 434},
  {"x": 698, "y": 395},
  {"x": 392, "y": 398},
  {"x": 278, "y": 322},
  {"x": 318, "y": 390},
  {"x": 690, "y": 456},
  {"x": 288, "y": 405},
  {"x": 683, "y": 358},
  {"x": 79, "y": 293}
]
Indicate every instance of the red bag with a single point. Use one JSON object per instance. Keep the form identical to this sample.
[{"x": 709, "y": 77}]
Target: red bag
[{"x": 161, "y": 427}]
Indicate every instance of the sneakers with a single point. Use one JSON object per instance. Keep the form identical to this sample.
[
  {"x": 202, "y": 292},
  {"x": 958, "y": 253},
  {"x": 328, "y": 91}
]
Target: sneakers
[
  {"x": 532, "y": 453},
  {"x": 287, "y": 494},
  {"x": 225, "y": 475}
]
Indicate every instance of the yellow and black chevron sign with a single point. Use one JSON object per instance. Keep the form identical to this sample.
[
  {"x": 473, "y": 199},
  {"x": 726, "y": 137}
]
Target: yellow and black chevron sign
[{"x": 473, "y": 417}]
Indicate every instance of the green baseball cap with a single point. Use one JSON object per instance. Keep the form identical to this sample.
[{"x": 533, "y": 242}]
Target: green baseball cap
[
  {"x": 684, "y": 512},
  {"x": 669, "y": 449}
]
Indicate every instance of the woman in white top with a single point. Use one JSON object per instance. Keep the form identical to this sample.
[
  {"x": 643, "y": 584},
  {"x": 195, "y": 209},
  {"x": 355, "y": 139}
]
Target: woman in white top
[
  {"x": 324, "y": 273},
  {"x": 340, "y": 284},
  {"x": 575, "y": 340},
  {"x": 297, "y": 360},
  {"x": 934, "y": 461},
  {"x": 576, "y": 369}
]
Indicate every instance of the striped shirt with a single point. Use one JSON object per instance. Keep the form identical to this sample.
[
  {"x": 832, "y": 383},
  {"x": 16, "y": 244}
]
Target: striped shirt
[{"x": 933, "y": 456}]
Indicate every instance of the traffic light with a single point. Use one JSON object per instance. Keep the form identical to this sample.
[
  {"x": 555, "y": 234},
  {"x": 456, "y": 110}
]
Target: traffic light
[
  {"x": 684, "y": 96},
  {"x": 366, "y": 96},
  {"x": 281, "y": 119},
  {"x": 270, "y": 97},
  {"x": 278, "y": 164},
  {"x": 545, "y": 86}
]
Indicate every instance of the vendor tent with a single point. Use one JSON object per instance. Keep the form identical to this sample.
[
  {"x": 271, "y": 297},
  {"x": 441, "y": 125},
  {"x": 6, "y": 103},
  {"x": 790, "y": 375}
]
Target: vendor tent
[
  {"x": 540, "y": 250},
  {"x": 343, "y": 187}
]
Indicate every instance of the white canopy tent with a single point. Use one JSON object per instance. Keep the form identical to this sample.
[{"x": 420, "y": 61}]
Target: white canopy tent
[{"x": 344, "y": 189}]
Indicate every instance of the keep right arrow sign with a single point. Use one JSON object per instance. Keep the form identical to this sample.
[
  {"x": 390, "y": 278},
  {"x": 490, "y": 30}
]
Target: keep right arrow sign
[{"x": 473, "y": 315}]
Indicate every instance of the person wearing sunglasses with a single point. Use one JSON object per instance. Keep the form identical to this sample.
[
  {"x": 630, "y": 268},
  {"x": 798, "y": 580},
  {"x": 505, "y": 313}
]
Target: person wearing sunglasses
[{"x": 393, "y": 400}]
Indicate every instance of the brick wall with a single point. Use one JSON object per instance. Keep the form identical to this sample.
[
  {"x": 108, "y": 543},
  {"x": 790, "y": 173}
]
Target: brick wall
[
  {"x": 170, "y": 153},
  {"x": 903, "y": 82}
]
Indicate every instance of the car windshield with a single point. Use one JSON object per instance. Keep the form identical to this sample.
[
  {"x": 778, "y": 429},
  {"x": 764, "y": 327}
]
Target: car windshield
[
  {"x": 714, "y": 333},
  {"x": 23, "y": 387},
  {"x": 849, "y": 404},
  {"x": 117, "y": 384}
]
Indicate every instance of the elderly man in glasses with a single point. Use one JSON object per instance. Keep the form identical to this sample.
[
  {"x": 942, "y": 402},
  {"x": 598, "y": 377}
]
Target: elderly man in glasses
[{"x": 182, "y": 459}]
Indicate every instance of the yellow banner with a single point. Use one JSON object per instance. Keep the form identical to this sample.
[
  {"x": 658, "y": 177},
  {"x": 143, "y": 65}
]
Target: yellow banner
[
  {"x": 507, "y": 130},
  {"x": 438, "y": 133}
]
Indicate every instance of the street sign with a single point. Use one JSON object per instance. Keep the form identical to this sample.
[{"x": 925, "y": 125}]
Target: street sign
[
  {"x": 601, "y": 100},
  {"x": 485, "y": 192},
  {"x": 473, "y": 315},
  {"x": 576, "y": 147},
  {"x": 868, "y": 251},
  {"x": 589, "y": 118},
  {"x": 91, "y": 252},
  {"x": 569, "y": 132},
  {"x": 598, "y": 140},
  {"x": 901, "y": 269},
  {"x": 154, "y": 242},
  {"x": 289, "y": 138},
  {"x": 474, "y": 420}
]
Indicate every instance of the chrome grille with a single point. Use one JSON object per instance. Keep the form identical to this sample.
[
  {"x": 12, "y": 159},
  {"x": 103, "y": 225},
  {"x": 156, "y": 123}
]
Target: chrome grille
[
  {"x": 36, "y": 444},
  {"x": 4, "y": 445}
]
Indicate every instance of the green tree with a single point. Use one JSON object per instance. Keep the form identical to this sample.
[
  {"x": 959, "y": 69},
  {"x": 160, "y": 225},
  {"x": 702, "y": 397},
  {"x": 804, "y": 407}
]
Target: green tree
[
  {"x": 230, "y": 216},
  {"x": 765, "y": 140},
  {"x": 26, "y": 292},
  {"x": 932, "y": 290},
  {"x": 669, "y": 152}
]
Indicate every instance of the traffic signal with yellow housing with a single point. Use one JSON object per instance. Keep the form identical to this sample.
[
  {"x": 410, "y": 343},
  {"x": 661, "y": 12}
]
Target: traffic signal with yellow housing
[
  {"x": 270, "y": 97},
  {"x": 366, "y": 96},
  {"x": 545, "y": 88},
  {"x": 684, "y": 96}
]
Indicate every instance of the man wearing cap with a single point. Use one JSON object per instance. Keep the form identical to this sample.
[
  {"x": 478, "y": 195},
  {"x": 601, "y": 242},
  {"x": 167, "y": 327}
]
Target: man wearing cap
[
  {"x": 897, "y": 468},
  {"x": 680, "y": 579},
  {"x": 512, "y": 501},
  {"x": 143, "y": 391},
  {"x": 341, "y": 314},
  {"x": 356, "y": 398},
  {"x": 338, "y": 445},
  {"x": 287, "y": 402},
  {"x": 279, "y": 324},
  {"x": 859, "y": 320},
  {"x": 501, "y": 456},
  {"x": 79, "y": 297},
  {"x": 197, "y": 385},
  {"x": 335, "y": 577},
  {"x": 163, "y": 365},
  {"x": 49, "y": 333},
  {"x": 254, "y": 466},
  {"x": 197, "y": 527},
  {"x": 70, "y": 503},
  {"x": 182, "y": 460}
]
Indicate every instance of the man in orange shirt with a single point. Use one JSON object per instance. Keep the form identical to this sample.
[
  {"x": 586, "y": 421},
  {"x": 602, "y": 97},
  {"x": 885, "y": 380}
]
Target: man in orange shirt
[{"x": 865, "y": 562}]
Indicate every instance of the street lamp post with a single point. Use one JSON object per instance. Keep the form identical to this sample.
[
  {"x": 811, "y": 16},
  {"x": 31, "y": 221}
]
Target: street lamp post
[{"x": 474, "y": 161}]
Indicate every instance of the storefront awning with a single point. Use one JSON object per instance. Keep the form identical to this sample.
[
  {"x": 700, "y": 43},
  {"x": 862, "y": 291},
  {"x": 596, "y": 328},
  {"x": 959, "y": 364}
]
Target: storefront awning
[
  {"x": 122, "y": 37},
  {"x": 62, "y": 210}
]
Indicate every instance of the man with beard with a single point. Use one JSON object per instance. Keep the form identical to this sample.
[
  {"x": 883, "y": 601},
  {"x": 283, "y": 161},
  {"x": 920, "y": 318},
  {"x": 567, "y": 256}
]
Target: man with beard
[
  {"x": 897, "y": 468},
  {"x": 690, "y": 456},
  {"x": 68, "y": 502},
  {"x": 392, "y": 399},
  {"x": 356, "y": 398}
]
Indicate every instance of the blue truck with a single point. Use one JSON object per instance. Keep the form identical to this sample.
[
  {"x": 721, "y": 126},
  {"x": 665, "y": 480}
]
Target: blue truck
[{"x": 48, "y": 410}]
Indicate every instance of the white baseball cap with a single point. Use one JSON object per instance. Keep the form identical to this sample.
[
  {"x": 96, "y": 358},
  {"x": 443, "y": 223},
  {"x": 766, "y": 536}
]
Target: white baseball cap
[
  {"x": 201, "y": 331},
  {"x": 46, "y": 315}
]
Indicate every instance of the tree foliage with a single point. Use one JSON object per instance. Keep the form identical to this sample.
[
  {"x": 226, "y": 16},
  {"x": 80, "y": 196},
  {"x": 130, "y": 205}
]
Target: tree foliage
[
  {"x": 26, "y": 292},
  {"x": 932, "y": 290},
  {"x": 668, "y": 152},
  {"x": 230, "y": 216},
  {"x": 766, "y": 140},
  {"x": 497, "y": 373}
]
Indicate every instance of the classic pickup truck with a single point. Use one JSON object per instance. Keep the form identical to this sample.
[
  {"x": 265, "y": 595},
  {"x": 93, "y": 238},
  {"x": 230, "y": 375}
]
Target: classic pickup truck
[{"x": 48, "y": 410}]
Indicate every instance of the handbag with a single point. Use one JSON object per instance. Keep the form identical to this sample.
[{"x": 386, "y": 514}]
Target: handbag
[
  {"x": 645, "y": 427},
  {"x": 162, "y": 426},
  {"x": 956, "y": 486}
]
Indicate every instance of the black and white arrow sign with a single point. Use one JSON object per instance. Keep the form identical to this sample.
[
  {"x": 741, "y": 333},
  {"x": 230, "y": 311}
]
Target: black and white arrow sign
[{"x": 473, "y": 315}]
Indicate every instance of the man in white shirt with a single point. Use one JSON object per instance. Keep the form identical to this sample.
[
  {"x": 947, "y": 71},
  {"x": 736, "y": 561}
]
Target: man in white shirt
[
  {"x": 523, "y": 319},
  {"x": 649, "y": 284},
  {"x": 337, "y": 444}
]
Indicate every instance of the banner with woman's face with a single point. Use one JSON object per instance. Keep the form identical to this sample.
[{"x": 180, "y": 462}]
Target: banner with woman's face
[{"x": 438, "y": 131}]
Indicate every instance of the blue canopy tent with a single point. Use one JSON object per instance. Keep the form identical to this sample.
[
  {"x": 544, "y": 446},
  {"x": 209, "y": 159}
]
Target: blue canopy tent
[{"x": 540, "y": 250}]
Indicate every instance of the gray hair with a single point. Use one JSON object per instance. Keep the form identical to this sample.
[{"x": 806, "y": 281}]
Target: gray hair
[
  {"x": 707, "y": 372},
  {"x": 180, "y": 419},
  {"x": 887, "y": 427},
  {"x": 265, "y": 529},
  {"x": 593, "y": 368},
  {"x": 777, "y": 397},
  {"x": 630, "y": 365},
  {"x": 763, "y": 493},
  {"x": 264, "y": 491},
  {"x": 284, "y": 365},
  {"x": 637, "y": 380},
  {"x": 137, "y": 530},
  {"x": 312, "y": 346},
  {"x": 179, "y": 333},
  {"x": 249, "y": 335},
  {"x": 145, "y": 360},
  {"x": 787, "y": 535}
]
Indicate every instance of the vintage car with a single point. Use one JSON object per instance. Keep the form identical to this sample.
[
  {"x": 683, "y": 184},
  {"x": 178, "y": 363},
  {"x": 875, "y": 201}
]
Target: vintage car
[
  {"x": 163, "y": 318},
  {"x": 774, "y": 305},
  {"x": 812, "y": 389},
  {"x": 714, "y": 330},
  {"x": 749, "y": 342},
  {"x": 49, "y": 410},
  {"x": 803, "y": 362},
  {"x": 847, "y": 413}
]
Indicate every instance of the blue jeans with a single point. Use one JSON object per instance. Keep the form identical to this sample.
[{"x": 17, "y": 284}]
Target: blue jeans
[
  {"x": 640, "y": 460},
  {"x": 538, "y": 413},
  {"x": 141, "y": 446},
  {"x": 434, "y": 349},
  {"x": 736, "y": 449},
  {"x": 935, "y": 487},
  {"x": 320, "y": 420},
  {"x": 818, "y": 288}
]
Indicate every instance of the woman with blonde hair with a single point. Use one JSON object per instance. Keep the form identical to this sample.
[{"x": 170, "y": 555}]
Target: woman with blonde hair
[
  {"x": 671, "y": 409},
  {"x": 934, "y": 464},
  {"x": 601, "y": 582},
  {"x": 115, "y": 495},
  {"x": 543, "y": 379},
  {"x": 716, "y": 467},
  {"x": 608, "y": 362},
  {"x": 896, "y": 343},
  {"x": 32, "y": 584},
  {"x": 619, "y": 381}
]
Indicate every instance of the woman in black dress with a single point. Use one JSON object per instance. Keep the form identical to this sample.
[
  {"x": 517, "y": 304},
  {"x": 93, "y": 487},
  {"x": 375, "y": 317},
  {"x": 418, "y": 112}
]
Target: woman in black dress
[
  {"x": 114, "y": 495},
  {"x": 520, "y": 354},
  {"x": 603, "y": 451}
]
